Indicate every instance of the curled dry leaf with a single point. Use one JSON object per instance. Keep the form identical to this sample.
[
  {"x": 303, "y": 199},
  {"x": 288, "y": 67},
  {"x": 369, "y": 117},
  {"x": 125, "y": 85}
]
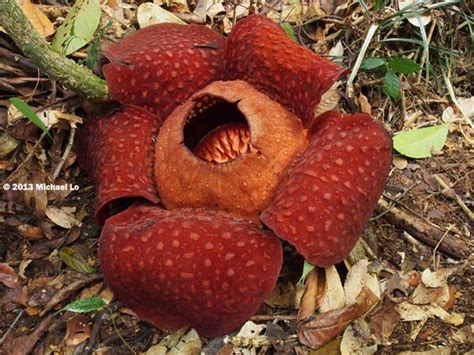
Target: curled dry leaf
[
  {"x": 418, "y": 21},
  {"x": 319, "y": 329},
  {"x": 30, "y": 232},
  {"x": 364, "y": 104},
  {"x": 437, "y": 278},
  {"x": 333, "y": 297},
  {"x": 358, "y": 278},
  {"x": 63, "y": 217},
  {"x": 180, "y": 342},
  {"x": 150, "y": 13},
  {"x": 8, "y": 276},
  {"x": 400, "y": 162},
  {"x": 430, "y": 295},
  {"x": 311, "y": 296},
  {"x": 329, "y": 100}
]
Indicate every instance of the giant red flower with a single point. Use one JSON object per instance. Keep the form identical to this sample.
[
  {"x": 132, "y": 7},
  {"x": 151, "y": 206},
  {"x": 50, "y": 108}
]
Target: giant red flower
[{"x": 214, "y": 157}]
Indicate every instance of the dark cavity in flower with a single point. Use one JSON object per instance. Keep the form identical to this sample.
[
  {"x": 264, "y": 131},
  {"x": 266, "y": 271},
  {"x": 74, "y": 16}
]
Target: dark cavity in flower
[{"x": 216, "y": 131}]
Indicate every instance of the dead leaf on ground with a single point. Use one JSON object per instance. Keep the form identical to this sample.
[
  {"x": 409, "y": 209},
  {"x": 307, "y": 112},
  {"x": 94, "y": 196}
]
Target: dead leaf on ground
[
  {"x": 383, "y": 322},
  {"x": 8, "y": 276},
  {"x": 364, "y": 104},
  {"x": 418, "y": 21},
  {"x": 333, "y": 297},
  {"x": 7, "y": 144},
  {"x": 180, "y": 342},
  {"x": 149, "y": 14},
  {"x": 39, "y": 20},
  {"x": 358, "y": 278},
  {"x": 30, "y": 232},
  {"x": 63, "y": 217},
  {"x": 356, "y": 342},
  {"x": 321, "y": 328},
  {"x": 77, "y": 329},
  {"x": 313, "y": 292},
  {"x": 437, "y": 278},
  {"x": 430, "y": 295},
  {"x": 285, "y": 296},
  {"x": 329, "y": 100},
  {"x": 412, "y": 312},
  {"x": 25, "y": 344}
]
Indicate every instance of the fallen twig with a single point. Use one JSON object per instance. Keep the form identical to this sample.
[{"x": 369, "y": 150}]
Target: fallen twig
[
  {"x": 423, "y": 231},
  {"x": 448, "y": 191}
]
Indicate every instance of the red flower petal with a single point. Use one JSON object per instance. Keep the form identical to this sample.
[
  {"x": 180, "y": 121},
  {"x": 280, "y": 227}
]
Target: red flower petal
[
  {"x": 117, "y": 151},
  {"x": 261, "y": 53},
  {"x": 188, "y": 267},
  {"x": 161, "y": 66},
  {"x": 323, "y": 203}
]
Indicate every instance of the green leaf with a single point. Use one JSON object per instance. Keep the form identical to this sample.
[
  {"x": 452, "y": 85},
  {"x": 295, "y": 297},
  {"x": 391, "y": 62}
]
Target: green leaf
[
  {"x": 419, "y": 143},
  {"x": 72, "y": 259},
  {"x": 93, "y": 49},
  {"x": 78, "y": 28},
  {"x": 403, "y": 65},
  {"x": 289, "y": 31},
  {"x": 391, "y": 85},
  {"x": 26, "y": 110},
  {"x": 307, "y": 267},
  {"x": 372, "y": 63},
  {"x": 85, "y": 305}
]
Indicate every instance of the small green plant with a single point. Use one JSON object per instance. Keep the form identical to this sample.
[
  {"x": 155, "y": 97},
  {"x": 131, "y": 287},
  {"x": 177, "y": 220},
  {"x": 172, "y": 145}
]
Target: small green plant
[
  {"x": 390, "y": 70},
  {"x": 28, "y": 112}
]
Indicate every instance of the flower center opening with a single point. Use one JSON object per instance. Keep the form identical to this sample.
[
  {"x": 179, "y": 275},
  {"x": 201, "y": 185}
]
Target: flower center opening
[{"x": 216, "y": 131}]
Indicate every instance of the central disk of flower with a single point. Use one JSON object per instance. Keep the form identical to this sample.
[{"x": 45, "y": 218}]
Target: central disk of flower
[
  {"x": 216, "y": 131},
  {"x": 226, "y": 148}
]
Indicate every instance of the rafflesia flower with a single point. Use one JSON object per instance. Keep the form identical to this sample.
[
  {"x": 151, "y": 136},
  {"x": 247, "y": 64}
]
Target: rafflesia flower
[{"x": 214, "y": 157}]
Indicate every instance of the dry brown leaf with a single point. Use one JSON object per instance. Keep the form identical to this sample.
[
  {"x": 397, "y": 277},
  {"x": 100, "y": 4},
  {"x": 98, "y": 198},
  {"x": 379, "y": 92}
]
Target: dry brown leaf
[
  {"x": 437, "y": 278},
  {"x": 30, "y": 232},
  {"x": 311, "y": 296},
  {"x": 34, "y": 198},
  {"x": 329, "y": 100},
  {"x": 413, "y": 312},
  {"x": 37, "y": 17},
  {"x": 333, "y": 296},
  {"x": 8, "y": 276},
  {"x": 400, "y": 162},
  {"x": 25, "y": 344},
  {"x": 430, "y": 295},
  {"x": 358, "y": 278},
  {"x": 285, "y": 295},
  {"x": 77, "y": 330},
  {"x": 383, "y": 322},
  {"x": 180, "y": 342},
  {"x": 319, "y": 329},
  {"x": 63, "y": 217},
  {"x": 355, "y": 341},
  {"x": 7, "y": 144},
  {"x": 364, "y": 104}
]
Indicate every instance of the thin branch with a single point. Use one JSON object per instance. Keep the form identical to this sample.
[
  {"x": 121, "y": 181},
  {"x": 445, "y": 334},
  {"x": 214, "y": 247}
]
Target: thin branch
[{"x": 59, "y": 68}]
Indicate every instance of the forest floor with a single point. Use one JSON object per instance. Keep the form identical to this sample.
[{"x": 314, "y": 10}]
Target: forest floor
[{"x": 419, "y": 240}]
